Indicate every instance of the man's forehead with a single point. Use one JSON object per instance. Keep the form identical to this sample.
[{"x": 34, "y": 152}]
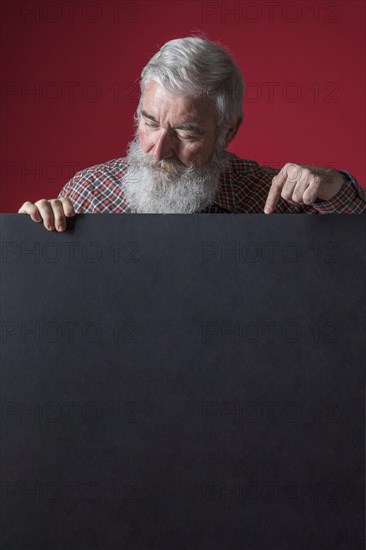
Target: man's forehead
[{"x": 157, "y": 99}]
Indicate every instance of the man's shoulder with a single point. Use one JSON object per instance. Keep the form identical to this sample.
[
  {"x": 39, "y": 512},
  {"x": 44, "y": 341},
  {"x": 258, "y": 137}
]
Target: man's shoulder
[
  {"x": 244, "y": 185},
  {"x": 112, "y": 169},
  {"x": 98, "y": 189},
  {"x": 247, "y": 167},
  {"x": 246, "y": 174}
]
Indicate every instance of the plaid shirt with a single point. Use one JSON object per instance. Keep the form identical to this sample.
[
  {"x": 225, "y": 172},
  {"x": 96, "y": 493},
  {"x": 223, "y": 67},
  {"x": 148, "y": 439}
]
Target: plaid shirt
[{"x": 244, "y": 187}]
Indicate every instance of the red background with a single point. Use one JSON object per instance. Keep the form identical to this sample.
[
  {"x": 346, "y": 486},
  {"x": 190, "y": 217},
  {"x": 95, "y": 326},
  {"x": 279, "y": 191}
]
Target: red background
[{"x": 83, "y": 63}]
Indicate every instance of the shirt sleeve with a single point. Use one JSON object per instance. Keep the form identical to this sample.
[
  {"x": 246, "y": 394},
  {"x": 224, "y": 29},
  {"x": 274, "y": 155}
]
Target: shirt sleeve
[{"x": 350, "y": 199}]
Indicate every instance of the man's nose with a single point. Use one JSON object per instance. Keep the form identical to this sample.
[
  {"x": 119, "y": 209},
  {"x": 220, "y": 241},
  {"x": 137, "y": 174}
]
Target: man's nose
[{"x": 163, "y": 146}]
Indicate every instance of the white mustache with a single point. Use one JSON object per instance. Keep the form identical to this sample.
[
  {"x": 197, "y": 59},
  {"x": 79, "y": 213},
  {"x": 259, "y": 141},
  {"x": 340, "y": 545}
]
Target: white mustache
[
  {"x": 169, "y": 166},
  {"x": 172, "y": 167}
]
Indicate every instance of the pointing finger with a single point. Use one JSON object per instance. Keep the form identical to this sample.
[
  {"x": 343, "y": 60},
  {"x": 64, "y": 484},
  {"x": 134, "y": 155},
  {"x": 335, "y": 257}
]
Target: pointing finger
[{"x": 275, "y": 192}]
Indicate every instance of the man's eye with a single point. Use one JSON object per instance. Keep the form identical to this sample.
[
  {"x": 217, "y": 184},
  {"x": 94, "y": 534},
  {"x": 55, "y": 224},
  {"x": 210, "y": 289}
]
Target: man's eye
[
  {"x": 151, "y": 125},
  {"x": 188, "y": 138}
]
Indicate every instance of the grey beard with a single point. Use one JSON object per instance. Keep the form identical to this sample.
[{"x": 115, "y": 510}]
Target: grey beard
[{"x": 179, "y": 190}]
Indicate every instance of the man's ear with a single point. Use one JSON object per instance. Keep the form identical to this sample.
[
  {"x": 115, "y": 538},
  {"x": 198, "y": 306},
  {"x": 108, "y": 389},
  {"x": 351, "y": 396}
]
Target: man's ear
[{"x": 232, "y": 132}]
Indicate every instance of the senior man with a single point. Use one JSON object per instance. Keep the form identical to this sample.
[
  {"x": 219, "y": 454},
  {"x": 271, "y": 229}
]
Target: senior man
[{"x": 189, "y": 111}]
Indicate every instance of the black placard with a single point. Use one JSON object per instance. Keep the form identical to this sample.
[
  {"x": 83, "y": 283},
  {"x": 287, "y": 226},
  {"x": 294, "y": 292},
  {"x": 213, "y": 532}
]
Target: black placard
[{"x": 183, "y": 382}]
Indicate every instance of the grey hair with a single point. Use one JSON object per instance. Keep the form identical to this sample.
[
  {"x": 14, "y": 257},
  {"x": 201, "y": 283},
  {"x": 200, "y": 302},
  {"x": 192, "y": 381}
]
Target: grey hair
[{"x": 195, "y": 66}]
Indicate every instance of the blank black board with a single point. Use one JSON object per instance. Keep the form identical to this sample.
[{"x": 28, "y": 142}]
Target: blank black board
[{"x": 183, "y": 382}]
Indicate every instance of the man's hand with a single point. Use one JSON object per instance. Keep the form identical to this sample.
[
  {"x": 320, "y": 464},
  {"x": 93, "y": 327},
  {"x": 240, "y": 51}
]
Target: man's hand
[
  {"x": 53, "y": 212},
  {"x": 299, "y": 184}
]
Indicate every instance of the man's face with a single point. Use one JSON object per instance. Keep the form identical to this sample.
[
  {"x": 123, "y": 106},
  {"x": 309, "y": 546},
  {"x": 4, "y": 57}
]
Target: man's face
[
  {"x": 176, "y": 128},
  {"x": 174, "y": 160}
]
